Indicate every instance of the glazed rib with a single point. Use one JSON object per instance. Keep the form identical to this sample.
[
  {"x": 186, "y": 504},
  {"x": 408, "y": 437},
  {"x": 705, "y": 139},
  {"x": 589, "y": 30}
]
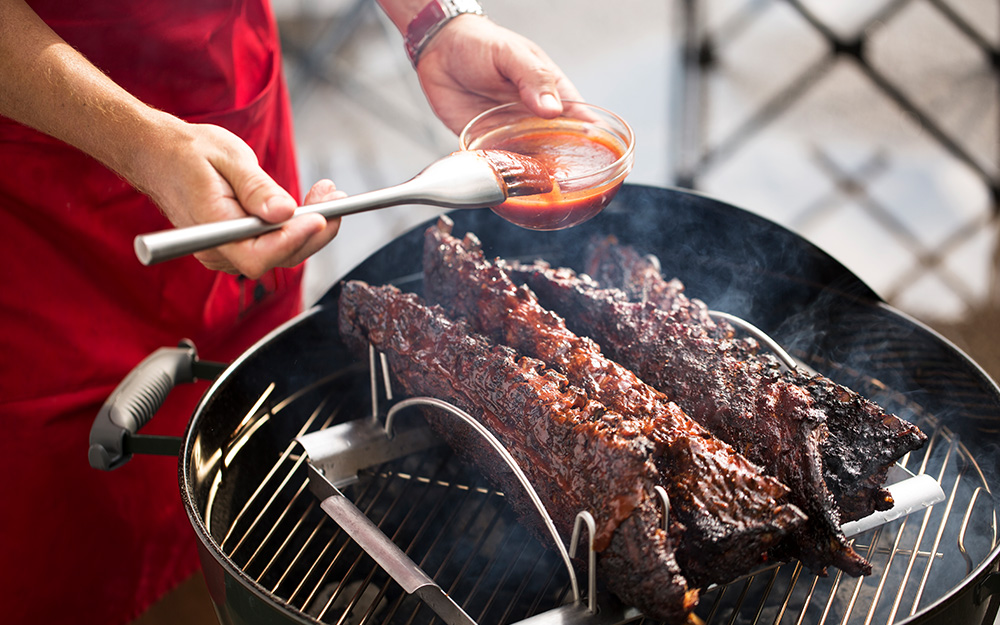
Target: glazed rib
[
  {"x": 565, "y": 443},
  {"x": 745, "y": 403},
  {"x": 729, "y": 511},
  {"x": 864, "y": 440}
]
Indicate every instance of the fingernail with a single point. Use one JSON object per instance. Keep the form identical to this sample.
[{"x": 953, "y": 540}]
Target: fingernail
[
  {"x": 549, "y": 101},
  {"x": 275, "y": 203}
]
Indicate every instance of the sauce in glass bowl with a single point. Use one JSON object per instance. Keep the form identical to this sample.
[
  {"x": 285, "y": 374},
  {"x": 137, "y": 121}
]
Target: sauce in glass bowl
[{"x": 587, "y": 150}]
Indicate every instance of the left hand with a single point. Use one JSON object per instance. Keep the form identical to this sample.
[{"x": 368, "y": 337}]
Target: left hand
[{"x": 472, "y": 64}]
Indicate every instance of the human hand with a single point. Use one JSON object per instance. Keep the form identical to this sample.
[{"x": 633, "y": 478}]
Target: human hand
[
  {"x": 472, "y": 64},
  {"x": 200, "y": 173}
]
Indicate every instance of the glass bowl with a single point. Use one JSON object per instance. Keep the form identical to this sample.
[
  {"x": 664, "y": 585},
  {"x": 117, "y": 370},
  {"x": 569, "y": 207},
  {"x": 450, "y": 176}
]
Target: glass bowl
[{"x": 589, "y": 151}]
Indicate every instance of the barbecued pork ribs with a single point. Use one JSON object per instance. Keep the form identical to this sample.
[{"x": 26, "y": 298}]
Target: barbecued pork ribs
[
  {"x": 729, "y": 513},
  {"x": 864, "y": 440},
  {"x": 770, "y": 421},
  {"x": 639, "y": 278},
  {"x": 568, "y": 445}
]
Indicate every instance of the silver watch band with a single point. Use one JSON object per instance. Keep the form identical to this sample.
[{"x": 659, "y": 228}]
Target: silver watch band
[{"x": 429, "y": 21}]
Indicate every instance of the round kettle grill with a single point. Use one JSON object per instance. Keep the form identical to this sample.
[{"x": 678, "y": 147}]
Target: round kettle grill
[{"x": 271, "y": 554}]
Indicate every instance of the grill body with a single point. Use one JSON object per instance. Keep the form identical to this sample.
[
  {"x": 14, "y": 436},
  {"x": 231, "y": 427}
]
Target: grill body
[{"x": 270, "y": 556}]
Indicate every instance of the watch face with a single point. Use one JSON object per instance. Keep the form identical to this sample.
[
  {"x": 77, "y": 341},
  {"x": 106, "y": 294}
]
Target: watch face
[{"x": 465, "y": 6}]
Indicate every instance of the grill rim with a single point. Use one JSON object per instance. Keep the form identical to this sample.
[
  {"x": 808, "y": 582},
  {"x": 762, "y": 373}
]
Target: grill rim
[
  {"x": 207, "y": 545},
  {"x": 208, "y": 548}
]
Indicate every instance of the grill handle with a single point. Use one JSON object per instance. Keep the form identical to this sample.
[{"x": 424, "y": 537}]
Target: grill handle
[{"x": 113, "y": 436}]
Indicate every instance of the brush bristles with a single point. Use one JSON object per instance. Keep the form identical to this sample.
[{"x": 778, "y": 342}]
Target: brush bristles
[{"x": 521, "y": 175}]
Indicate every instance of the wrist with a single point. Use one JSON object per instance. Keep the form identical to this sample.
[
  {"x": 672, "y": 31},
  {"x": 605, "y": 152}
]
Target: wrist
[
  {"x": 429, "y": 21},
  {"x": 156, "y": 141}
]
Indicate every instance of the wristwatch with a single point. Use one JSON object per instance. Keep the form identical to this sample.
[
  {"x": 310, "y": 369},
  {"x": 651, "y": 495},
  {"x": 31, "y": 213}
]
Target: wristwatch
[{"x": 429, "y": 21}]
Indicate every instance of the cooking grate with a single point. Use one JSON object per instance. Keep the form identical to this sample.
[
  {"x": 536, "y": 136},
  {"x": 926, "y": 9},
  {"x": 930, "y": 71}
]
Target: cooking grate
[
  {"x": 440, "y": 512},
  {"x": 445, "y": 517}
]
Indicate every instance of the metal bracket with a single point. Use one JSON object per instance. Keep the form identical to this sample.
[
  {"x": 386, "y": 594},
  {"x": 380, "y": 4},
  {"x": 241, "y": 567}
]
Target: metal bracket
[{"x": 336, "y": 455}]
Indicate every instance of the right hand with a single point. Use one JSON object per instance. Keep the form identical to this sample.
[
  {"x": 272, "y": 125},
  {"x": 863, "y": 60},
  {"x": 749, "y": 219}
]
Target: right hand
[{"x": 199, "y": 173}]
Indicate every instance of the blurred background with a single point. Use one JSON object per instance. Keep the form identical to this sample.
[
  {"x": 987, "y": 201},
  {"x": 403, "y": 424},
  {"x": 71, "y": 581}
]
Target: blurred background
[{"x": 869, "y": 127}]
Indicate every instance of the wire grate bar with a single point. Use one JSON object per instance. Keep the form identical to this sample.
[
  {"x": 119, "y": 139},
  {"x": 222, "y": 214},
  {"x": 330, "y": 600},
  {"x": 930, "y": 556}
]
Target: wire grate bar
[
  {"x": 273, "y": 530},
  {"x": 304, "y": 552},
  {"x": 289, "y": 537}
]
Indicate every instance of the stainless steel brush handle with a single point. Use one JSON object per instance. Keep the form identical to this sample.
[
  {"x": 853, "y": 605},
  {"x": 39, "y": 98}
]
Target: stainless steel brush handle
[{"x": 461, "y": 180}]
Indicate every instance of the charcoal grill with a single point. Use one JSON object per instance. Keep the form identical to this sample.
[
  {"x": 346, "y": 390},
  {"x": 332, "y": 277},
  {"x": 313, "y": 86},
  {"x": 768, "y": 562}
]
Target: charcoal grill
[{"x": 271, "y": 554}]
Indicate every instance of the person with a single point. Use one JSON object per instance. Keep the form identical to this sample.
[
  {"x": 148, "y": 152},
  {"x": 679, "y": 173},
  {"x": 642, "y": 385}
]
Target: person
[{"x": 120, "y": 118}]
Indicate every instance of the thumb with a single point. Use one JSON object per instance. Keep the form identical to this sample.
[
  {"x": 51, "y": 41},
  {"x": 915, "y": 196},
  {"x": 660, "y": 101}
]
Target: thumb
[
  {"x": 536, "y": 85},
  {"x": 265, "y": 198},
  {"x": 254, "y": 189},
  {"x": 540, "y": 84},
  {"x": 544, "y": 103}
]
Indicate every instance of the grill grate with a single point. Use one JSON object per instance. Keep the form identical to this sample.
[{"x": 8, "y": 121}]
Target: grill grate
[
  {"x": 903, "y": 554},
  {"x": 459, "y": 530}
]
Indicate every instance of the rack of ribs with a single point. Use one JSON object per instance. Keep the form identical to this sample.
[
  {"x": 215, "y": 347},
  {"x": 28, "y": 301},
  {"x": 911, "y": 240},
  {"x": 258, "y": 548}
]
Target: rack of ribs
[
  {"x": 569, "y": 446},
  {"x": 864, "y": 440},
  {"x": 744, "y": 399},
  {"x": 729, "y": 513}
]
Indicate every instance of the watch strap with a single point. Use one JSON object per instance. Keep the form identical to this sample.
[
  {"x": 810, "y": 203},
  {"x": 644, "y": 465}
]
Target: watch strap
[{"x": 429, "y": 20}]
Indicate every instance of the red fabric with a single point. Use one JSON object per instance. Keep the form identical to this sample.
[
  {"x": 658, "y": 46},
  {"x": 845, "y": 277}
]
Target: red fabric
[{"x": 78, "y": 311}]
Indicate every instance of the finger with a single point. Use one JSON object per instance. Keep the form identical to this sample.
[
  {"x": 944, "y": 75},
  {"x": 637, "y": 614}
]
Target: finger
[
  {"x": 254, "y": 189},
  {"x": 260, "y": 195},
  {"x": 254, "y": 257},
  {"x": 216, "y": 262},
  {"x": 303, "y": 239},
  {"x": 541, "y": 85},
  {"x": 295, "y": 241},
  {"x": 314, "y": 244},
  {"x": 322, "y": 191}
]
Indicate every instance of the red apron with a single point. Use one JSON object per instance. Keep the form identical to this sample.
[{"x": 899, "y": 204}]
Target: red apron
[{"x": 78, "y": 311}]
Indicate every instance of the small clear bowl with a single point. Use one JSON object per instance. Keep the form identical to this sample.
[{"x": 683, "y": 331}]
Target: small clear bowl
[{"x": 589, "y": 151}]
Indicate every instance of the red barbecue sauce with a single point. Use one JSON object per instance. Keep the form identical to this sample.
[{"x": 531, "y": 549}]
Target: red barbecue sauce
[{"x": 570, "y": 157}]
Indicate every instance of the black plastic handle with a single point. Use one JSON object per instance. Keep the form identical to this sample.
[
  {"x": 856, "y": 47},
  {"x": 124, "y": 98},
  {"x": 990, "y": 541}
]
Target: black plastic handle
[{"x": 134, "y": 402}]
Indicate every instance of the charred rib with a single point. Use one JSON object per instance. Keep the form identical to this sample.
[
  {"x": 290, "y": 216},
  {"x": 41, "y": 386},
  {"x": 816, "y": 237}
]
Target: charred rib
[
  {"x": 744, "y": 402},
  {"x": 864, "y": 440},
  {"x": 565, "y": 443},
  {"x": 731, "y": 513}
]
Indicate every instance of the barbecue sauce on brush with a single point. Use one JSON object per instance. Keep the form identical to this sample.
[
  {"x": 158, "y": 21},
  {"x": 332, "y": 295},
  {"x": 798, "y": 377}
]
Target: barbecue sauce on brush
[
  {"x": 522, "y": 175},
  {"x": 578, "y": 162}
]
